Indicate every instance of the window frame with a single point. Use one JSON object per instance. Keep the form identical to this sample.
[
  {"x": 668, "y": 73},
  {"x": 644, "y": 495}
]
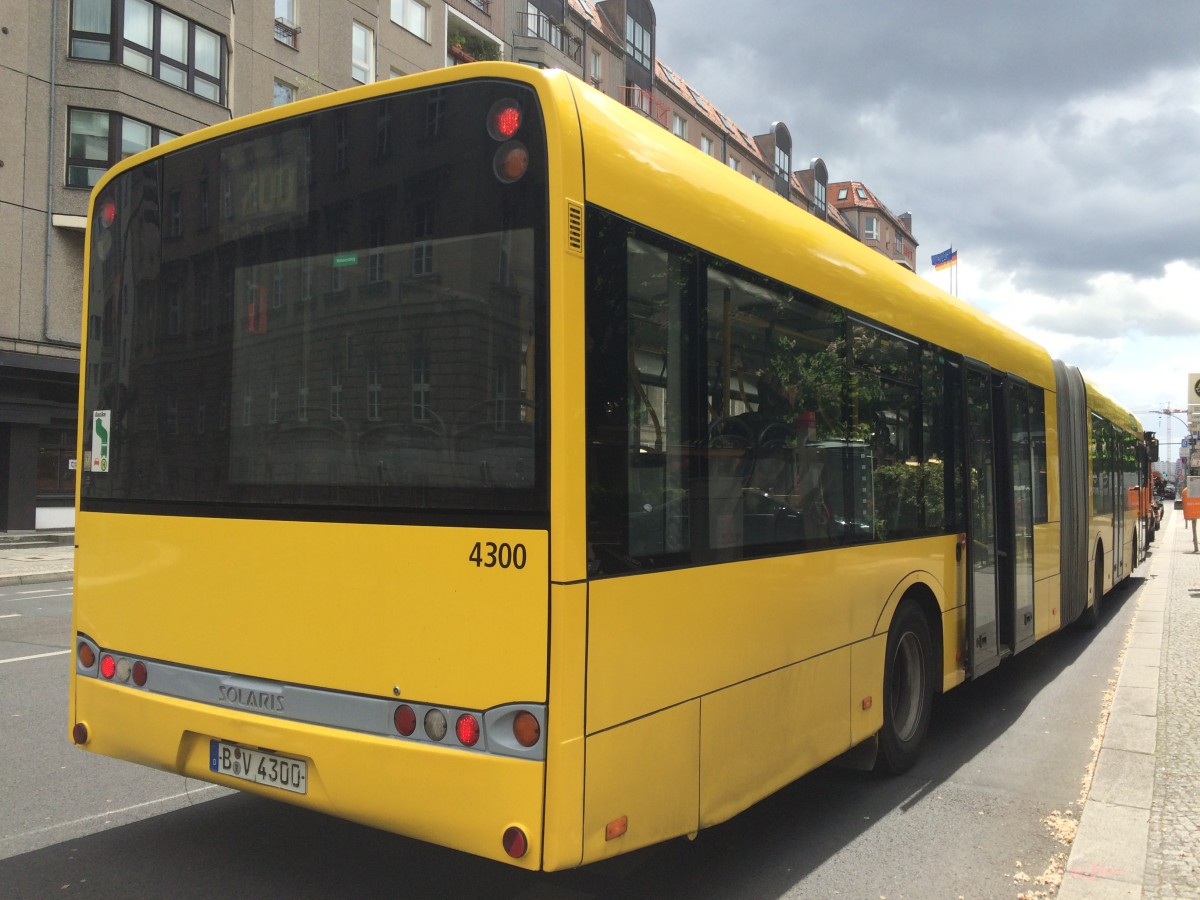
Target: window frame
[
  {"x": 193, "y": 75},
  {"x": 358, "y": 28},
  {"x": 114, "y": 140},
  {"x": 405, "y": 19}
]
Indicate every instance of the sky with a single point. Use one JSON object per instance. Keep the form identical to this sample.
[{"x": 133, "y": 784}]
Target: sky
[{"x": 1055, "y": 145}]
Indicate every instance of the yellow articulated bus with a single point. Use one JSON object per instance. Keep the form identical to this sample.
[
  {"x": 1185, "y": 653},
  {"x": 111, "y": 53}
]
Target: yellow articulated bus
[{"x": 467, "y": 456}]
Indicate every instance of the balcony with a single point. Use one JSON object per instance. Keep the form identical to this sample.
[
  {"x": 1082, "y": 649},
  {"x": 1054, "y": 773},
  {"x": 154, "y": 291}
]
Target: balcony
[
  {"x": 544, "y": 29},
  {"x": 287, "y": 33},
  {"x": 647, "y": 104}
]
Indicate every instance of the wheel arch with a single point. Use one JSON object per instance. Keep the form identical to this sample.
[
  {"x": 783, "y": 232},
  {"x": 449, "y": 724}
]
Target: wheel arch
[{"x": 925, "y": 591}]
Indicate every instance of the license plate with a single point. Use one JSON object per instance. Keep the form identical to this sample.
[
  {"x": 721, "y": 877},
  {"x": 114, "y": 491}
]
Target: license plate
[{"x": 259, "y": 766}]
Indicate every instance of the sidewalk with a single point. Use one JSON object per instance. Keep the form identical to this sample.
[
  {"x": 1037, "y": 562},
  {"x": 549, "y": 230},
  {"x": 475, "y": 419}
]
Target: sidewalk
[
  {"x": 1139, "y": 832},
  {"x": 32, "y": 557}
]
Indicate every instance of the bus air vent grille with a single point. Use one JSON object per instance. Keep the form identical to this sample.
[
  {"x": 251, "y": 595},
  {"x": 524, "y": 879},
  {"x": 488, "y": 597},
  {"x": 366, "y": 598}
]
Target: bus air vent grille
[{"x": 575, "y": 226}]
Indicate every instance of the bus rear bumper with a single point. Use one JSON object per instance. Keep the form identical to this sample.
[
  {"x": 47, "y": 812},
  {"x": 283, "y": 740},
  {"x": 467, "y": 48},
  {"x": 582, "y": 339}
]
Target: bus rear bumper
[{"x": 460, "y": 799}]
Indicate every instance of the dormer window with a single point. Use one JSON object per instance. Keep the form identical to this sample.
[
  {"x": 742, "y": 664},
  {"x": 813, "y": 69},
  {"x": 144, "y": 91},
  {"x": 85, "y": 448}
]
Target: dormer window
[
  {"x": 783, "y": 163},
  {"x": 860, "y": 193},
  {"x": 637, "y": 43}
]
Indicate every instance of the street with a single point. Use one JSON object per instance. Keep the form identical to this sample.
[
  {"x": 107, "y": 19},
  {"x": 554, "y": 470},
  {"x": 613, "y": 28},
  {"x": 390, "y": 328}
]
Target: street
[{"x": 983, "y": 814}]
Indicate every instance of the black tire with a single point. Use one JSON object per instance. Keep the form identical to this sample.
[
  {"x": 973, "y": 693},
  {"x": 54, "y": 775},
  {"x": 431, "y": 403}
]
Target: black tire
[{"x": 907, "y": 690}]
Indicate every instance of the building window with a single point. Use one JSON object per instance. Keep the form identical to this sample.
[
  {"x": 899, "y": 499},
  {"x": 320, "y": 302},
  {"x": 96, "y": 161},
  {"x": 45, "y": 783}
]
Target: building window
[
  {"x": 335, "y": 391},
  {"x": 362, "y": 64},
  {"x": 678, "y": 126},
  {"x": 860, "y": 193},
  {"x": 842, "y": 192},
  {"x": 412, "y": 15},
  {"x": 302, "y": 396},
  {"x": 56, "y": 459},
  {"x": 374, "y": 391},
  {"x": 284, "y": 93},
  {"x": 871, "y": 228},
  {"x": 597, "y": 70},
  {"x": 420, "y": 389},
  {"x": 152, "y": 40},
  {"x": 96, "y": 139},
  {"x": 783, "y": 165},
  {"x": 706, "y": 144},
  {"x": 637, "y": 42},
  {"x": 735, "y": 164},
  {"x": 819, "y": 195},
  {"x": 422, "y": 253}
]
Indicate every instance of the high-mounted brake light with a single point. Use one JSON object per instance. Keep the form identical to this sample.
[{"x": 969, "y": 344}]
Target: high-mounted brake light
[
  {"x": 108, "y": 212},
  {"x": 504, "y": 119}
]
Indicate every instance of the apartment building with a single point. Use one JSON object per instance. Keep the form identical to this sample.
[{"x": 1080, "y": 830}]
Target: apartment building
[{"x": 85, "y": 83}]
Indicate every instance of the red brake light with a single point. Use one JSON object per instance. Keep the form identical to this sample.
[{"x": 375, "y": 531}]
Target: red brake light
[
  {"x": 467, "y": 729},
  {"x": 405, "y": 720},
  {"x": 108, "y": 666},
  {"x": 504, "y": 120}
]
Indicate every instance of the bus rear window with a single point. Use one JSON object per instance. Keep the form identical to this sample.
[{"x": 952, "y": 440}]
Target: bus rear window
[{"x": 344, "y": 310}]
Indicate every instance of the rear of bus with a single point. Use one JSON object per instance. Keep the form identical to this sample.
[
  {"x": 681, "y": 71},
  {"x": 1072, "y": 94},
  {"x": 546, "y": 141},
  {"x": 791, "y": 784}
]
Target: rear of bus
[{"x": 313, "y": 554}]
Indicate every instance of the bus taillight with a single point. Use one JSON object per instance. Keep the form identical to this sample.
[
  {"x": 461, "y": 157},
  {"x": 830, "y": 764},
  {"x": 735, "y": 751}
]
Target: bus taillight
[
  {"x": 526, "y": 729},
  {"x": 435, "y": 724},
  {"x": 511, "y": 162},
  {"x": 467, "y": 730},
  {"x": 504, "y": 119},
  {"x": 108, "y": 666},
  {"x": 87, "y": 656},
  {"x": 405, "y": 719}
]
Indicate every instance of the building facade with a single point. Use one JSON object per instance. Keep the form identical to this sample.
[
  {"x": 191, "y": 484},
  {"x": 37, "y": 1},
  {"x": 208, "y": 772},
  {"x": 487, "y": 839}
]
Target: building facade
[{"x": 85, "y": 83}]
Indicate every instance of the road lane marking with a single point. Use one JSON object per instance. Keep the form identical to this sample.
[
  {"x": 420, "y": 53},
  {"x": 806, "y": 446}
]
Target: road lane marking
[
  {"x": 10, "y": 616},
  {"x": 188, "y": 794},
  {"x": 35, "y": 656}
]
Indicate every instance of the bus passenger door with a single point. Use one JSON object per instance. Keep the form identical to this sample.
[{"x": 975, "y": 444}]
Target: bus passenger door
[{"x": 983, "y": 551}]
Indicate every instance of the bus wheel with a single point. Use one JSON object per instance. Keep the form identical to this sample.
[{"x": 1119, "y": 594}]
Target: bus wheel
[{"x": 907, "y": 690}]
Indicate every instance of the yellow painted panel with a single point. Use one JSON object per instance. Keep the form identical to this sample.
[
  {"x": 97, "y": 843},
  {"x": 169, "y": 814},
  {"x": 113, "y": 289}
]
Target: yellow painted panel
[
  {"x": 565, "y": 746},
  {"x": 663, "y": 638},
  {"x": 866, "y": 687},
  {"x": 450, "y": 797},
  {"x": 1047, "y": 606},
  {"x": 764, "y": 733},
  {"x": 361, "y": 608},
  {"x": 954, "y": 647},
  {"x": 648, "y": 773}
]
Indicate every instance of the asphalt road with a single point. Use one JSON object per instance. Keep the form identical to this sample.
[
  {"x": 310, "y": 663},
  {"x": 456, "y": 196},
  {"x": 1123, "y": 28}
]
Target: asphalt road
[{"x": 981, "y": 815}]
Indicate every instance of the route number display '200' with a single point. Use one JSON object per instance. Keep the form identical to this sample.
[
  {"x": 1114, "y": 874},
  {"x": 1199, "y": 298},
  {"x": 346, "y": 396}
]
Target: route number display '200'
[{"x": 489, "y": 555}]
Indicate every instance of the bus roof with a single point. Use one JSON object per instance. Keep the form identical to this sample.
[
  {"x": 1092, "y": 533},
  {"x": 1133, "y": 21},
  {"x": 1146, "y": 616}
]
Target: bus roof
[{"x": 633, "y": 165}]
